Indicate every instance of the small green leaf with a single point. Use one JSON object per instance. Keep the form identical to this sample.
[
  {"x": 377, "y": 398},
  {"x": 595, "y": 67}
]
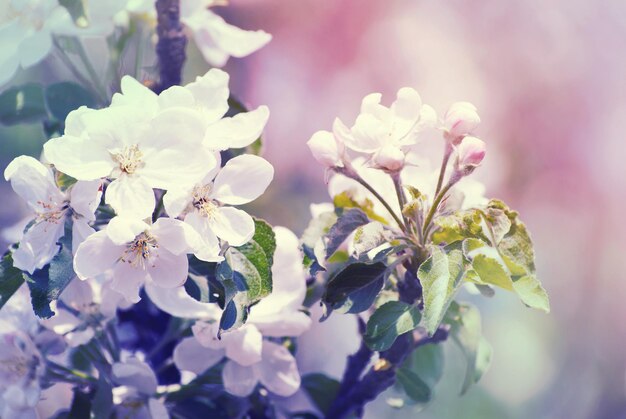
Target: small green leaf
[
  {"x": 321, "y": 389},
  {"x": 22, "y": 104},
  {"x": 368, "y": 237},
  {"x": 389, "y": 321},
  {"x": 11, "y": 279},
  {"x": 62, "y": 98},
  {"x": 487, "y": 264},
  {"x": 355, "y": 287},
  {"x": 440, "y": 276},
  {"x": 345, "y": 200},
  {"x": 532, "y": 293},
  {"x": 466, "y": 332},
  {"x": 414, "y": 386},
  {"x": 347, "y": 222}
]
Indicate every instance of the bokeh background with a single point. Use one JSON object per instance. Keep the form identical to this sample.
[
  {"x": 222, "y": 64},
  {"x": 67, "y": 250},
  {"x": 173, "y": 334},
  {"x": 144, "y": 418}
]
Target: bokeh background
[{"x": 549, "y": 80}]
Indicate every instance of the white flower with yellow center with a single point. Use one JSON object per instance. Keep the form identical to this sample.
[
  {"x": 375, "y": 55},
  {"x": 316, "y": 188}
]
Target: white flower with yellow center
[
  {"x": 241, "y": 180},
  {"x": 35, "y": 183},
  {"x": 138, "y": 151},
  {"x": 133, "y": 253}
]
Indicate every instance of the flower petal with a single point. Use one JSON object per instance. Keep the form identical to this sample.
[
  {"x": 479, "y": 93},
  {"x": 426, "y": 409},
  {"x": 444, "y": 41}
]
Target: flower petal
[
  {"x": 131, "y": 196},
  {"x": 189, "y": 355},
  {"x": 238, "y": 131},
  {"x": 122, "y": 230},
  {"x": 79, "y": 158},
  {"x": 127, "y": 280},
  {"x": 278, "y": 371},
  {"x": 176, "y": 201},
  {"x": 178, "y": 303},
  {"x": 85, "y": 197},
  {"x": 232, "y": 225},
  {"x": 243, "y": 345},
  {"x": 168, "y": 270},
  {"x": 175, "y": 235},
  {"x": 136, "y": 374},
  {"x": 96, "y": 255},
  {"x": 242, "y": 179},
  {"x": 211, "y": 94},
  {"x": 208, "y": 247},
  {"x": 80, "y": 231},
  {"x": 280, "y": 323},
  {"x": 33, "y": 182},
  {"x": 238, "y": 380},
  {"x": 38, "y": 246}
]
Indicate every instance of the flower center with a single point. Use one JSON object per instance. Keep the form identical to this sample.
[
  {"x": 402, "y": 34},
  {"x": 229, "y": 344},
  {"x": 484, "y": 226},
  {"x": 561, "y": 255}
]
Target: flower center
[
  {"x": 140, "y": 250},
  {"x": 202, "y": 202},
  {"x": 129, "y": 159},
  {"x": 51, "y": 212}
]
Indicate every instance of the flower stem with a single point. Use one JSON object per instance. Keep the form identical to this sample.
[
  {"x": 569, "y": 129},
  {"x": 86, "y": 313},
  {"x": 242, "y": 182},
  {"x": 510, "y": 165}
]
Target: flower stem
[
  {"x": 444, "y": 165},
  {"x": 397, "y": 183},
  {"x": 171, "y": 45},
  {"x": 435, "y": 206},
  {"x": 355, "y": 176}
]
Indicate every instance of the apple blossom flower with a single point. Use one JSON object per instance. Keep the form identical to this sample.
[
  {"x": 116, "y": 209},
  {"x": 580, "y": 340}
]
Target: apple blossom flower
[
  {"x": 35, "y": 183},
  {"x": 205, "y": 205},
  {"x": 135, "y": 253},
  {"x": 386, "y": 134},
  {"x": 137, "y": 151},
  {"x": 216, "y": 39},
  {"x": 208, "y": 95},
  {"x": 26, "y": 28},
  {"x": 134, "y": 394},
  {"x": 470, "y": 153},
  {"x": 460, "y": 120},
  {"x": 329, "y": 148},
  {"x": 251, "y": 358}
]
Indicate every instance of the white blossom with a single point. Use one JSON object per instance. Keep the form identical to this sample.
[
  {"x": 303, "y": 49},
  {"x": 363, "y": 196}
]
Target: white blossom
[
  {"x": 251, "y": 358},
  {"x": 205, "y": 206},
  {"x": 136, "y": 387},
  {"x": 134, "y": 253},
  {"x": 35, "y": 183},
  {"x": 138, "y": 151}
]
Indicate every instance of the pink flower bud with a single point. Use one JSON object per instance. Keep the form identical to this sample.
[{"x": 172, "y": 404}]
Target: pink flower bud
[
  {"x": 389, "y": 158},
  {"x": 460, "y": 120},
  {"x": 327, "y": 149},
  {"x": 471, "y": 153}
]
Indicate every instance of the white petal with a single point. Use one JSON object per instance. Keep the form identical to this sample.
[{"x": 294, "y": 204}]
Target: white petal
[
  {"x": 238, "y": 380},
  {"x": 208, "y": 248},
  {"x": 175, "y": 235},
  {"x": 38, "y": 246},
  {"x": 238, "y": 131},
  {"x": 85, "y": 197},
  {"x": 211, "y": 94},
  {"x": 168, "y": 270},
  {"x": 127, "y": 280},
  {"x": 80, "y": 158},
  {"x": 80, "y": 231},
  {"x": 368, "y": 134},
  {"x": 189, "y": 355},
  {"x": 157, "y": 409},
  {"x": 131, "y": 196},
  {"x": 122, "y": 230},
  {"x": 278, "y": 371},
  {"x": 232, "y": 225},
  {"x": 242, "y": 179},
  {"x": 178, "y": 303},
  {"x": 136, "y": 374},
  {"x": 206, "y": 334},
  {"x": 243, "y": 345},
  {"x": 33, "y": 182},
  {"x": 407, "y": 105},
  {"x": 96, "y": 255},
  {"x": 176, "y": 201},
  {"x": 61, "y": 323},
  {"x": 74, "y": 123},
  {"x": 176, "y": 96},
  {"x": 171, "y": 168},
  {"x": 280, "y": 323},
  {"x": 135, "y": 93}
]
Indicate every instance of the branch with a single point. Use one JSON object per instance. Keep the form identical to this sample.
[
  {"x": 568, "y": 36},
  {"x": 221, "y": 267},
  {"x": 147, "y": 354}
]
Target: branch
[{"x": 171, "y": 45}]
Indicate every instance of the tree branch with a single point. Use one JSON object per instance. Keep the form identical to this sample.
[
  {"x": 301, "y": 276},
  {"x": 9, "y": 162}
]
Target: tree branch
[{"x": 171, "y": 45}]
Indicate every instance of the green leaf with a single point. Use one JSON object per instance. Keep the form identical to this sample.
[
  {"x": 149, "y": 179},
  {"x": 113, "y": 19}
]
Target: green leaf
[
  {"x": 321, "y": 389},
  {"x": 532, "y": 293},
  {"x": 11, "y": 279},
  {"x": 466, "y": 332},
  {"x": 47, "y": 284},
  {"x": 346, "y": 200},
  {"x": 354, "y": 288},
  {"x": 389, "y": 321},
  {"x": 414, "y": 386},
  {"x": 22, "y": 104},
  {"x": 347, "y": 222},
  {"x": 64, "y": 97},
  {"x": 368, "y": 237},
  {"x": 440, "y": 276},
  {"x": 487, "y": 264},
  {"x": 427, "y": 361}
]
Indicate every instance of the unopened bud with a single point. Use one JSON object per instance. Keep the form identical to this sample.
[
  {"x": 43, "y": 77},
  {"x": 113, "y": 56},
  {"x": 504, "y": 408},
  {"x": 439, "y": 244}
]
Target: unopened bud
[
  {"x": 326, "y": 149},
  {"x": 460, "y": 120},
  {"x": 471, "y": 153}
]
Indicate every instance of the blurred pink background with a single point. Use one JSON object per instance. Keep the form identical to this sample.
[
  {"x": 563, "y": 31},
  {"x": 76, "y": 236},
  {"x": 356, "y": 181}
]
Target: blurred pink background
[{"x": 549, "y": 80}]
